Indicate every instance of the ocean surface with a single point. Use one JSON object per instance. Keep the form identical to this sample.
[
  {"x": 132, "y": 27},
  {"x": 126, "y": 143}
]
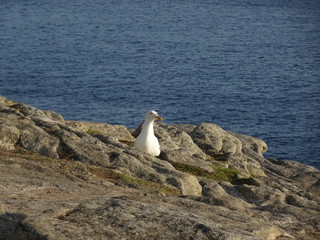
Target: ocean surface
[{"x": 250, "y": 66}]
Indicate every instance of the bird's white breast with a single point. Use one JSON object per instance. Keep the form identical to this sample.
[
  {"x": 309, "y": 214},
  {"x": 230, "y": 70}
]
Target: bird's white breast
[{"x": 148, "y": 144}]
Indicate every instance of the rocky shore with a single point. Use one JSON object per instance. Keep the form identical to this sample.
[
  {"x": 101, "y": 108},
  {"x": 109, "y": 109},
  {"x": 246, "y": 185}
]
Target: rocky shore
[{"x": 84, "y": 180}]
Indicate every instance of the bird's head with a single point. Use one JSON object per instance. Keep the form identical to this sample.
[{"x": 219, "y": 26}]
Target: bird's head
[{"x": 152, "y": 115}]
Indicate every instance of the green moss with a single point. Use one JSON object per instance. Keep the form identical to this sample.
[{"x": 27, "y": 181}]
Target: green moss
[
  {"x": 146, "y": 184},
  {"x": 17, "y": 109},
  {"x": 31, "y": 155},
  {"x": 197, "y": 171},
  {"x": 21, "y": 151},
  {"x": 218, "y": 173},
  {"x": 225, "y": 174},
  {"x": 209, "y": 157},
  {"x": 92, "y": 132},
  {"x": 252, "y": 175},
  {"x": 130, "y": 180}
]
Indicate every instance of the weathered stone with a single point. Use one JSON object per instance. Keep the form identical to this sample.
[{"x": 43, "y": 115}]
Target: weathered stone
[
  {"x": 188, "y": 184},
  {"x": 37, "y": 140},
  {"x": 28, "y": 110},
  {"x": 120, "y": 132},
  {"x": 215, "y": 193},
  {"x": 82, "y": 147},
  {"x": 6, "y": 102},
  {"x": 53, "y": 115},
  {"x": 155, "y": 170},
  {"x": 2, "y": 211},
  {"x": 235, "y": 150},
  {"x": 95, "y": 162},
  {"x": 118, "y": 218},
  {"x": 9, "y": 135},
  {"x": 215, "y": 141},
  {"x": 251, "y": 146},
  {"x": 315, "y": 188}
]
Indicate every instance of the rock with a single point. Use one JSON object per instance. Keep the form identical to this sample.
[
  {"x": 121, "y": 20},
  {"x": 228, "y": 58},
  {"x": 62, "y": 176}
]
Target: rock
[
  {"x": 121, "y": 133},
  {"x": 215, "y": 141},
  {"x": 117, "y": 218},
  {"x": 251, "y": 146},
  {"x": 6, "y": 102},
  {"x": 238, "y": 151},
  {"x": 315, "y": 188},
  {"x": 188, "y": 184},
  {"x": 82, "y": 147},
  {"x": 155, "y": 170},
  {"x": 174, "y": 139},
  {"x": 207, "y": 183},
  {"x": 270, "y": 232},
  {"x": 214, "y": 193},
  {"x": 53, "y": 115},
  {"x": 178, "y": 147},
  {"x": 1, "y": 209},
  {"x": 37, "y": 140},
  {"x": 9, "y": 135},
  {"x": 28, "y": 110},
  {"x": 46, "y": 133}
]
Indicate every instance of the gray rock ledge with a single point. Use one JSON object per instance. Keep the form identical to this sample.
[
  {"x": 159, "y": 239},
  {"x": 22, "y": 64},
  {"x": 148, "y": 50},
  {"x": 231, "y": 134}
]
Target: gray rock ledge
[{"x": 83, "y": 180}]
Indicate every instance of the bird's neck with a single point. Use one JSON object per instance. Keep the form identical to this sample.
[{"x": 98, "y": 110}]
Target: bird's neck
[{"x": 148, "y": 127}]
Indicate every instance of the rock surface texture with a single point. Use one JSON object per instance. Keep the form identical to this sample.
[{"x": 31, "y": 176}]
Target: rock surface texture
[{"x": 82, "y": 180}]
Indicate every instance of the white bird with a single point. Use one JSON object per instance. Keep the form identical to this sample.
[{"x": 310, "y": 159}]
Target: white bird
[{"x": 147, "y": 141}]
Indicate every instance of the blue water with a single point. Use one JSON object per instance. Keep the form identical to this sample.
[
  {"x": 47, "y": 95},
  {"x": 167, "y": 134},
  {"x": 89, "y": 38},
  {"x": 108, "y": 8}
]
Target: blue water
[{"x": 251, "y": 67}]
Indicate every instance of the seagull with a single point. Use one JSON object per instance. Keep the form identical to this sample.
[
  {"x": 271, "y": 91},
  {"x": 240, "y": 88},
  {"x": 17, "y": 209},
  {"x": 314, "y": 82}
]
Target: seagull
[{"x": 147, "y": 141}]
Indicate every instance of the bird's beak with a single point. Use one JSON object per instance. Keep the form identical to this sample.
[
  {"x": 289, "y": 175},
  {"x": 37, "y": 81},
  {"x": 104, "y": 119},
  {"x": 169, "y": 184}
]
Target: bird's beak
[{"x": 159, "y": 118}]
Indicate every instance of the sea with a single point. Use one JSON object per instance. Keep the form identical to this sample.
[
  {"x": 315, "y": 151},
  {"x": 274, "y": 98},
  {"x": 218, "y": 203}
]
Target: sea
[{"x": 249, "y": 66}]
